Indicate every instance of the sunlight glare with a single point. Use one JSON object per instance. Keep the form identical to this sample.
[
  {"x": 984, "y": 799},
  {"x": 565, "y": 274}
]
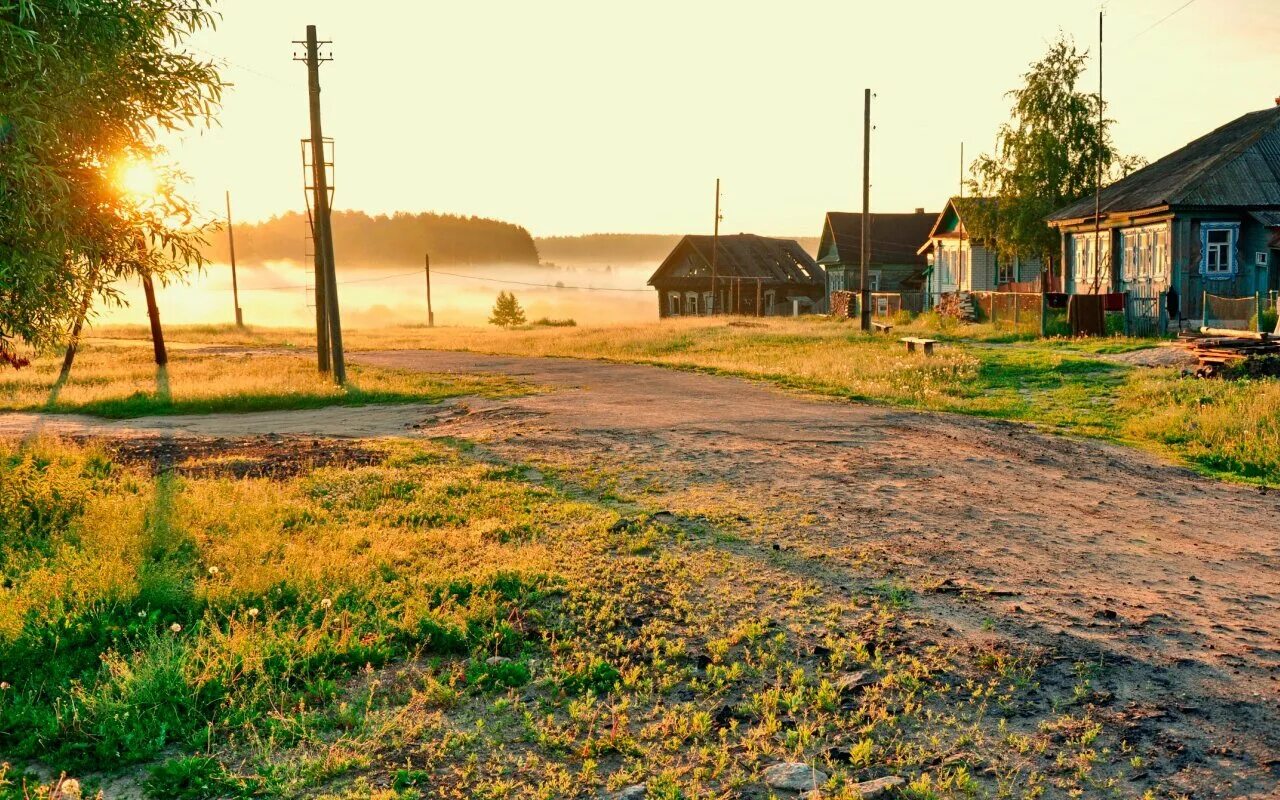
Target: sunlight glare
[{"x": 138, "y": 179}]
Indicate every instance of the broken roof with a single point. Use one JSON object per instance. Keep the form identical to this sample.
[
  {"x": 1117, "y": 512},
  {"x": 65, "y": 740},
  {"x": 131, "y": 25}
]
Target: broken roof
[
  {"x": 895, "y": 238},
  {"x": 743, "y": 255},
  {"x": 1235, "y": 165}
]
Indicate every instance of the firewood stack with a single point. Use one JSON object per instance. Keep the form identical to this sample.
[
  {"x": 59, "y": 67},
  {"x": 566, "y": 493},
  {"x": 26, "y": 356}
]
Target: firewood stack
[
  {"x": 1215, "y": 348},
  {"x": 844, "y": 305},
  {"x": 959, "y": 305}
]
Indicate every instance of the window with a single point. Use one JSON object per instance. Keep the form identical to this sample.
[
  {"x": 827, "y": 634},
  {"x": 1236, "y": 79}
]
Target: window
[
  {"x": 691, "y": 304},
  {"x": 1144, "y": 254},
  {"x": 673, "y": 304},
  {"x": 1088, "y": 272},
  {"x": 1218, "y": 249},
  {"x": 837, "y": 281},
  {"x": 706, "y": 302},
  {"x": 873, "y": 280},
  {"x": 1006, "y": 271}
]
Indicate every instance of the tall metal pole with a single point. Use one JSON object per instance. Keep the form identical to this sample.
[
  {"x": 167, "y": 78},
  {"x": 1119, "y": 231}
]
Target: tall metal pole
[
  {"x": 715, "y": 254},
  {"x": 235, "y": 286},
  {"x": 323, "y": 231},
  {"x": 1097, "y": 186},
  {"x": 431, "y": 315},
  {"x": 866, "y": 211}
]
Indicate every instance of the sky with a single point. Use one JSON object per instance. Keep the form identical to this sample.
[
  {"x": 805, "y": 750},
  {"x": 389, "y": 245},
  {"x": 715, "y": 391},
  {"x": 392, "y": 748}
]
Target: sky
[{"x": 580, "y": 116}]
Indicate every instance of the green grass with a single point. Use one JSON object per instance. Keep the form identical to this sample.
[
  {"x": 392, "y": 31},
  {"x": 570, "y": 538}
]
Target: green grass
[
  {"x": 123, "y": 382},
  {"x": 438, "y": 625}
]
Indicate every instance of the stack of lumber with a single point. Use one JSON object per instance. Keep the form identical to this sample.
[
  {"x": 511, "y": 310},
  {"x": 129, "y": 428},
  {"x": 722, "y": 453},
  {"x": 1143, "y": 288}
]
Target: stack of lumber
[
  {"x": 1217, "y": 347},
  {"x": 959, "y": 305}
]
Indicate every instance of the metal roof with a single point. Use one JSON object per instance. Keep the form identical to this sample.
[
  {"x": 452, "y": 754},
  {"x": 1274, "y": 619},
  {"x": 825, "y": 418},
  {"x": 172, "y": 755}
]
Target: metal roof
[
  {"x": 895, "y": 238},
  {"x": 1236, "y": 165},
  {"x": 745, "y": 255}
]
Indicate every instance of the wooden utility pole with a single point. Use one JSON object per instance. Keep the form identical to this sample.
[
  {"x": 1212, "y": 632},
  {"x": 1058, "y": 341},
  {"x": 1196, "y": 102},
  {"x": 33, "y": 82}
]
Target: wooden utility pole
[
  {"x": 866, "y": 210},
  {"x": 1097, "y": 186},
  {"x": 321, "y": 226},
  {"x": 715, "y": 254},
  {"x": 431, "y": 315},
  {"x": 962, "y": 170},
  {"x": 235, "y": 286}
]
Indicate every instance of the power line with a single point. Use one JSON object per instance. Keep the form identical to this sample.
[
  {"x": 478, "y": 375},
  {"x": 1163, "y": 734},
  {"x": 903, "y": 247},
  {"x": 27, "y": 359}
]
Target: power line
[{"x": 1162, "y": 20}]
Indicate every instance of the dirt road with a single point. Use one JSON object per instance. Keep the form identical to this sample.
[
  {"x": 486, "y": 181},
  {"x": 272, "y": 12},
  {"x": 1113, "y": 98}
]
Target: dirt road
[{"x": 1168, "y": 582}]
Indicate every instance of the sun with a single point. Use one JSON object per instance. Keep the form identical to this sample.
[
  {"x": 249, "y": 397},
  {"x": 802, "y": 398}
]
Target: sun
[{"x": 138, "y": 179}]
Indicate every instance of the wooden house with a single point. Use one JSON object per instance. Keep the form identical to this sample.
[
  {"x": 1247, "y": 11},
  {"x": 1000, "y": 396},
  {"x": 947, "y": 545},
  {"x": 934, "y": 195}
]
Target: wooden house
[
  {"x": 1205, "y": 218},
  {"x": 753, "y": 275},
  {"x": 893, "y": 263},
  {"x": 962, "y": 263}
]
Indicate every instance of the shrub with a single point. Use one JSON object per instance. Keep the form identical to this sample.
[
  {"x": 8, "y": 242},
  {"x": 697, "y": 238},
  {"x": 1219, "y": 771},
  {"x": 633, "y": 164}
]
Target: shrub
[
  {"x": 1269, "y": 320},
  {"x": 547, "y": 322}
]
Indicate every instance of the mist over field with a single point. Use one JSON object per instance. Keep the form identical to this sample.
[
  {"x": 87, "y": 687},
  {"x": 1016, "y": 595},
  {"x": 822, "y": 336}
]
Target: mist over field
[{"x": 279, "y": 294}]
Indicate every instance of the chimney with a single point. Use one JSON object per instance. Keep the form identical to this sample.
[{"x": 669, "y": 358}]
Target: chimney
[
  {"x": 921, "y": 210},
  {"x": 1278, "y": 101}
]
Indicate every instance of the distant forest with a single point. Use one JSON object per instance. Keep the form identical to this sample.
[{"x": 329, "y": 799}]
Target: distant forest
[
  {"x": 622, "y": 248},
  {"x": 402, "y": 238}
]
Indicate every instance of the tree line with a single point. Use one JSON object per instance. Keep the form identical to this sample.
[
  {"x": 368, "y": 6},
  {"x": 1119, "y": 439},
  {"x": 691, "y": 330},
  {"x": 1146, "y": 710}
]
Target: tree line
[{"x": 400, "y": 238}]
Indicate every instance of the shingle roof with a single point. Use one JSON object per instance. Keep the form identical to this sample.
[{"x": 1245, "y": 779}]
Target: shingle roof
[
  {"x": 1236, "y": 165},
  {"x": 894, "y": 237},
  {"x": 746, "y": 255}
]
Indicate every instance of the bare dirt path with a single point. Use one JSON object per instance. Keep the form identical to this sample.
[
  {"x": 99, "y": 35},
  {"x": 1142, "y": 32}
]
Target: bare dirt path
[{"x": 1168, "y": 582}]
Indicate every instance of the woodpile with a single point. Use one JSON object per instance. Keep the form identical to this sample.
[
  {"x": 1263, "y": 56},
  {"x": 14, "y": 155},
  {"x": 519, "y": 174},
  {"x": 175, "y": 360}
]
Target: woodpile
[
  {"x": 1216, "y": 348},
  {"x": 959, "y": 305},
  {"x": 844, "y": 305}
]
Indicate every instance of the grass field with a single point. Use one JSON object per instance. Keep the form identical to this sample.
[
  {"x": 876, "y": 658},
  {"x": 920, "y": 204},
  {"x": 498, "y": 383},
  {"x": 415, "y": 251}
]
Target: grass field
[
  {"x": 439, "y": 624},
  {"x": 1230, "y": 429},
  {"x": 124, "y": 382}
]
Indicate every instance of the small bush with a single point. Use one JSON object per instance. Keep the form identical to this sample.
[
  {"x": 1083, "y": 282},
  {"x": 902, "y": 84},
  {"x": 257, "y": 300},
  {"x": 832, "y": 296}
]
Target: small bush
[
  {"x": 599, "y": 677},
  {"x": 547, "y": 322},
  {"x": 1269, "y": 320},
  {"x": 194, "y": 778}
]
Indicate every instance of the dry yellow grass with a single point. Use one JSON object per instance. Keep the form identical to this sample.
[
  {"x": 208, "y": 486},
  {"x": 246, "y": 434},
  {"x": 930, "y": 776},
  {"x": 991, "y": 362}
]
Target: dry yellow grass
[{"x": 118, "y": 381}]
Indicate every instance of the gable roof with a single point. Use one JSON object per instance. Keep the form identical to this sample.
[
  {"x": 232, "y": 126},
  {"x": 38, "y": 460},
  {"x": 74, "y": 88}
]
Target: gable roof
[
  {"x": 959, "y": 206},
  {"x": 744, "y": 255},
  {"x": 1235, "y": 165},
  {"x": 894, "y": 238}
]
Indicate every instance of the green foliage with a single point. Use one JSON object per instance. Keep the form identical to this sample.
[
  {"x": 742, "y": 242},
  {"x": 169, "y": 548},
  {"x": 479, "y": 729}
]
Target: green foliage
[
  {"x": 86, "y": 86},
  {"x": 194, "y": 778},
  {"x": 507, "y": 312},
  {"x": 599, "y": 677},
  {"x": 547, "y": 322},
  {"x": 1046, "y": 157},
  {"x": 1269, "y": 320},
  {"x": 497, "y": 675}
]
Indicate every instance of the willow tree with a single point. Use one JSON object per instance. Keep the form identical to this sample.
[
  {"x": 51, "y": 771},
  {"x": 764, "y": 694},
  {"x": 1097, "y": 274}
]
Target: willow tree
[
  {"x": 1047, "y": 156},
  {"x": 86, "y": 86}
]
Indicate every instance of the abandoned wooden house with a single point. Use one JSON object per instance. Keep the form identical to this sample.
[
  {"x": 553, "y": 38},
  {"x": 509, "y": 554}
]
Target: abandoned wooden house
[
  {"x": 964, "y": 263},
  {"x": 749, "y": 274},
  {"x": 1203, "y": 219},
  {"x": 893, "y": 263}
]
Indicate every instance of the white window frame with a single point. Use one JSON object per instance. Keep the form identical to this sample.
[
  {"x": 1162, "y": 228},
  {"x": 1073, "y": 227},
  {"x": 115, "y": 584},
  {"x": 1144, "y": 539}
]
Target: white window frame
[
  {"x": 691, "y": 304},
  {"x": 1144, "y": 254},
  {"x": 1227, "y": 261},
  {"x": 1084, "y": 244},
  {"x": 707, "y": 299},
  {"x": 674, "y": 304},
  {"x": 873, "y": 279}
]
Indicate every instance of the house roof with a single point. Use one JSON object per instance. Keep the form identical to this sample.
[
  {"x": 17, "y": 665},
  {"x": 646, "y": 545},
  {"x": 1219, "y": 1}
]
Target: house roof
[
  {"x": 1235, "y": 165},
  {"x": 742, "y": 255},
  {"x": 894, "y": 238}
]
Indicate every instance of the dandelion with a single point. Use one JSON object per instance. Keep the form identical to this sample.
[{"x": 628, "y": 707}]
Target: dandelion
[
  {"x": 5, "y": 686},
  {"x": 253, "y": 612},
  {"x": 326, "y": 603},
  {"x": 176, "y": 628},
  {"x": 68, "y": 788},
  {"x": 213, "y": 571},
  {"x": 142, "y": 614}
]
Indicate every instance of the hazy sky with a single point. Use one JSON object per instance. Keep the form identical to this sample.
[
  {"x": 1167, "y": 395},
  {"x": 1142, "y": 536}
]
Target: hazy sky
[{"x": 571, "y": 117}]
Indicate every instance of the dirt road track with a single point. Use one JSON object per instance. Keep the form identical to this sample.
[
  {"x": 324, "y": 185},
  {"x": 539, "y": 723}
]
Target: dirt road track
[{"x": 1169, "y": 581}]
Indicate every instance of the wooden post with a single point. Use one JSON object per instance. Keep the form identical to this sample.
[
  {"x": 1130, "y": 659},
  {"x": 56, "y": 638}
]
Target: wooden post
[
  {"x": 1257, "y": 306},
  {"x": 759, "y": 289},
  {"x": 431, "y": 315},
  {"x": 1128, "y": 331},
  {"x": 153, "y": 314},
  {"x": 1044, "y": 313},
  {"x": 1204, "y": 308}
]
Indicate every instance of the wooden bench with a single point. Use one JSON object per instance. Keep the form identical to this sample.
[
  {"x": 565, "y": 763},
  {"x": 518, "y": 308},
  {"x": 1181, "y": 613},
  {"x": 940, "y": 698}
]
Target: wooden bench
[
  {"x": 914, "y": 341},
  {"x": 882, "y": 327}
]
